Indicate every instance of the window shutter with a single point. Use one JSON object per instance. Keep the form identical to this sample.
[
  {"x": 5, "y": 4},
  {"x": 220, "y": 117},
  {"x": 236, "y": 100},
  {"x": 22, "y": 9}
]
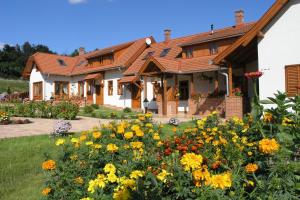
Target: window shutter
[{"x": 292, "y": 80}]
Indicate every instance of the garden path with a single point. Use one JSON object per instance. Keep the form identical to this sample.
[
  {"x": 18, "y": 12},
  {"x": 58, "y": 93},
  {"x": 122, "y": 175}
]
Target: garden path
[{"x": 45, "y": 126}]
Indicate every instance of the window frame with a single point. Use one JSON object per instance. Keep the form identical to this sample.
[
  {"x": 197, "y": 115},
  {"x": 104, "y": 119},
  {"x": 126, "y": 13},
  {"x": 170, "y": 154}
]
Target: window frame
[
  {"x": 37, "y": 87},
  {"x": 61, "y": 85},
  {"x": 110, "y": 88},
  {"x": 213, "y": 49},
  {"x": 189, "y": 53}
]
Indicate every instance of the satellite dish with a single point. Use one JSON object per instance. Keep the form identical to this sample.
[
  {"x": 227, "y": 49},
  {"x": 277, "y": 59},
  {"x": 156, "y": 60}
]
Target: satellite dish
[{"x": 148, "y": 41}]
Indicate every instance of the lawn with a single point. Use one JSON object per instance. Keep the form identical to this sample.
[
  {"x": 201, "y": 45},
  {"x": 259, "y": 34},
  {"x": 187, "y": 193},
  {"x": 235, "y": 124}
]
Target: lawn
[
  {"x": 21, "y": 176},
  {"x": 106, "y": 112},
  {"x": 15, "y": 85}
]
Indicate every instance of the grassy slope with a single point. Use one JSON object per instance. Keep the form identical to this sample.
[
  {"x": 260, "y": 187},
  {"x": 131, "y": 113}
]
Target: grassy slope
[
  {"x": 15, "y": 85},
  {"x": 21, "y": 176}
]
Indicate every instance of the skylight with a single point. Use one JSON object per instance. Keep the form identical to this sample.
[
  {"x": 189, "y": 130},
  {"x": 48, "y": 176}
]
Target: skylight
[
  {"x": 61, "y": 62},
  {"x": 150, "y": 53},
  {"x": 164, "y": 52}
]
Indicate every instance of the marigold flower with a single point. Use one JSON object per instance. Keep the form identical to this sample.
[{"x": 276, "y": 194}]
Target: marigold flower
[
  {"x": 156, "y": 136},
  {"x": 49, "y": 165},
  {"x": 109, "y": 168},
  {"x": 139, "y": 133},
  {"x": 79, "y": 180},
  {"x": 82, "y": 137},
  {"x": 162, "y": 176},
  {"x": 191, "y": 161},
  {"x": 59, "y": 142},
  {"x": 111, "y": 177},
  {"x": 251, "y": 167},
  {"x": 287, "y": 122},
  {"x": 221, "y": 181},
  {"x": 201, "y": 174},
  {"x": 89, "y": 143},
  {"x": 268, "y": 117},
  {"x": 112, "y": 148},
  {"x": 128, "y": 135},
  {"x": 97, "y": 134},
  {"x": 268, "y": 146},
  {"x": 136, "y": 174},
  {"x": 46, "y": 191},
  {"x": 97, "y": 146},
  {"x": 121, "y": 195},
  {"x": 136, "y": 145}
]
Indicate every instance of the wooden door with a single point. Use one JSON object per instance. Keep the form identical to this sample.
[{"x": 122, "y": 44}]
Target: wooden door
[
  {"x": 99, "y": 94},
  {"x": 136, "y": 95},
  {"x": 89, "y": 89}
]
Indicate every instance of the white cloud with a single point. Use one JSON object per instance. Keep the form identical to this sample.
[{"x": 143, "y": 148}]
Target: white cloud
[
  {"x": 1, "y": 45},
  {"x": 77, "y": 1}
]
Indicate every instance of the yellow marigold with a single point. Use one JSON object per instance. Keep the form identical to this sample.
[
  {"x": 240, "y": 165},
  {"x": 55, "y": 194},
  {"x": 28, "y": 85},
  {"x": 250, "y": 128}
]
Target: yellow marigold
[
  {"x": 120, "y": 129},
  {"x": 46, "y": 191},
  {"x": 127, "y": 182},
  {"x": 74, "y": 140},
  {"x": 201, "y": 174},
  {"x": 156, "y": 136},
  {"x": 139, "y": 133},
  {"x": 136, "y": 145},
  {"x": 59, "y": 142},
  {"x": 111, "y": 177},
  {"x": 82, "y": 137},
  {"x": 121, "y": 195},
  {"x": 96, "y": 134},
  {"x": 49, "y": 165},
  {"x": 287, "y": 122},
  {"x": 136, "y": 174},
  {"x": 162, "y": 176},
  {"x": 268, "y": 146},
  {"x": 89, "y": 143},
  {"x": 97, "y": 146},
  {"x": 251, "y": 167},
  {"x": 268, "y": 117},
  {"x": 221, "y": 181},
  {"x": 86, "y": 198},
  {"x": 74, "y": 157},
  {"x": 159, "y": 143},
  {"x": 191, "y": 161},
  {"x": 149, "y": 125},
  {"x": 99, "y": 182},
  {"x": 79, "y": 180},
  {"x": 148, "y": 115},
  {"x": 128, "y": 135},
  {"x": 112, "y": 135},
  {"x": 112, "y": 148},
  {"x": 109, "y": 168}
]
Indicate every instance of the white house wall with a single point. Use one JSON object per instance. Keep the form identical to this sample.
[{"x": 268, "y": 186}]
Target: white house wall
[
  {"x": 278, "y": 48},
  {"x": 115, "y": 99},
  {"x": 36, "y": 76}
]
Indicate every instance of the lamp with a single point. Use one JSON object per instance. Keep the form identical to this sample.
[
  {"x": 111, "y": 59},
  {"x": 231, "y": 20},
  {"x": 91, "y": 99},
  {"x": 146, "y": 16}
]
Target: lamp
[{"x": 146, "y": 104}]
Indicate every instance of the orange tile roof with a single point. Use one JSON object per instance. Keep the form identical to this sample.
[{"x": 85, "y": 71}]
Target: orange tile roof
[
  {"x": 172, "y": 60},
  {"x": 128, "y": 79},
  {"x": 92, "y": 76}
]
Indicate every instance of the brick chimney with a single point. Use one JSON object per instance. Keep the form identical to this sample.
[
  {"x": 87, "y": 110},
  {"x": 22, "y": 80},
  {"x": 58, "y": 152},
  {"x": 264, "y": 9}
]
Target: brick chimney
[
  {"x": 167, "y": 35},
  {"x": 239, "y": 17},
  {"x": 81, "y": 51}
]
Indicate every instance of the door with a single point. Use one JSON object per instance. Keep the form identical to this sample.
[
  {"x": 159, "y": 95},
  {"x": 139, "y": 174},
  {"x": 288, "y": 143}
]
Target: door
[
  {"x": 136, "y": 95},
  {"x": 89, "y": 91},
  {"x": 183, "y": 96},
  {"x": 99, "y": 92}
]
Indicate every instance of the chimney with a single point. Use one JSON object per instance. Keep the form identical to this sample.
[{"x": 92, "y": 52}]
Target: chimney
[
  {"x": 81, "y": 51},
  {"x": 167, "y": 35},
  {"x": 239, "y": 17}
]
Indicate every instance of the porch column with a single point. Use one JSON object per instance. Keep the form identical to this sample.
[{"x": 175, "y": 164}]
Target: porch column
[
  {"x": 145, "y": 87},
  {"x": 176, "y": 90},
  {"x": 164, "y": 95},
  {"x": 230, "y": 83},
  {"x": 192, "y": 90}
]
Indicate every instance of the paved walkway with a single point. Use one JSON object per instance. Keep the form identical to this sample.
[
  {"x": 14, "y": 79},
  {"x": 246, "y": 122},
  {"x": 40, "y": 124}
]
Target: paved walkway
[{"x": 45, "y": 126}]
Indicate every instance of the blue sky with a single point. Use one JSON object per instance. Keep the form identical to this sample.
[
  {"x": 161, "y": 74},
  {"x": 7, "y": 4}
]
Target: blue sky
[{"x": 65, "y": 25}]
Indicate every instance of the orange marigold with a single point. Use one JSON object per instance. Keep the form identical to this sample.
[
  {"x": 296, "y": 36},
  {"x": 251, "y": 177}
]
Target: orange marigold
[
  {"x": 46, "y": 191},
  {"x": 268, "y": 146},
  {"x": 49, "y": 165},
  {"x": 251, "y": 167}
]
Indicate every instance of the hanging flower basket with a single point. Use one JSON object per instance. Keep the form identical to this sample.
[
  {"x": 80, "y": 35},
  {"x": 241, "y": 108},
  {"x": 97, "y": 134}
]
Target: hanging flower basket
[{"x": 252, "y": 75}]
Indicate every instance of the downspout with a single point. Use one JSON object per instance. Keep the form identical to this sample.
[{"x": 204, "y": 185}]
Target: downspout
[{"x": 227, "y": 82}]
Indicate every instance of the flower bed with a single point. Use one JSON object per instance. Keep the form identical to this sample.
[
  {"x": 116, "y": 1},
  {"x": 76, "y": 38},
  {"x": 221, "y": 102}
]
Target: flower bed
[{"x": 236, "y": 159}]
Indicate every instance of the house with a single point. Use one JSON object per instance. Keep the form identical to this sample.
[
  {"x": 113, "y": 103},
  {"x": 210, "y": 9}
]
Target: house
[
  {"x": 270, "y": 46},
  {"x": 91, "y": 76}
]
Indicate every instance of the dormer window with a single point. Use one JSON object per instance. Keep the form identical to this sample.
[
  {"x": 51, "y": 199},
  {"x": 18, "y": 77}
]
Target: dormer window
[
  {"x": 164, "y": 52},
  {"x": 61, "y": 62},
  {"x": 189, "y": 53},
  {"x": 150, "y": 53},
  {"x": 213, "y": 49}
]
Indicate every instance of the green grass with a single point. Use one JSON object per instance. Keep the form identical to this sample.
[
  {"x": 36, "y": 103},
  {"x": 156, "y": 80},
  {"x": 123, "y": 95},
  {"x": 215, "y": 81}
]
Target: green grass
[
  {"x": 98, "y": 113},
  {"x": 21, "y": 176},
  {"x": 15, "y": 85},
  {"x": 167, "y": 129}
]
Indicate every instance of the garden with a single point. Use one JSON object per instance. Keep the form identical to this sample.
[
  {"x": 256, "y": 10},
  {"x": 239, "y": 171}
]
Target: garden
[{"x": 256, "y": 157}]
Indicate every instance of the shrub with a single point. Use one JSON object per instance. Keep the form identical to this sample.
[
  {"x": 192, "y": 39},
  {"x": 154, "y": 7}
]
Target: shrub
[
  {"x": 88, "y": 109},
  {"x": 93, "y": 114},
  {"x": 61, "y": 128},
  {"x": 238, "y": 159},
  {"x": 65, "y": 110},
  {"x": 127, "y": 110},
  {"x": 95, "y": 106}
]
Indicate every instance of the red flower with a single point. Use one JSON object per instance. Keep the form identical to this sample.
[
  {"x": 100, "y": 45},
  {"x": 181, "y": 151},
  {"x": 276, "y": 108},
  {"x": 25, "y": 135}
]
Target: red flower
[{"x": 256, "y": 74}]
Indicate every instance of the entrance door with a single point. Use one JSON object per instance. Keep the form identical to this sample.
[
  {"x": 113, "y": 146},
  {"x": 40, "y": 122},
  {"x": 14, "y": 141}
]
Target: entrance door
[
  {"x": 89, "y": 89},
  {"x": 183, "y": 96},
  {"x": 99, "y": 93},
  {"x": 135, "y": 95}
]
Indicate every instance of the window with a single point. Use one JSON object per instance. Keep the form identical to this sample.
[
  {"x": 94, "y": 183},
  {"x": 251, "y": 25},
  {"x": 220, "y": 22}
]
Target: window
[
  {"x": 292, "y": 80},
  {"x": 150, "y": 53},
  {"x": 164, "y": 52},
  {"x": 38, "y": 91},
  {"x": 81, "y": 88},
  {"x": 183, "y": 90},
  {"x": 189, "y": 53},
  {"x": 213, "y": 49},
  {"x": 61, "y": 89},
  {"x": 110, "y": 88},
  {"x": 61, "y": 62},
  {"x": 120, "y": 89}
]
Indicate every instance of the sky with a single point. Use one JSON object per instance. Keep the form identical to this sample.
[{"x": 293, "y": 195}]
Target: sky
[{"x": 65, "y": 25}]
